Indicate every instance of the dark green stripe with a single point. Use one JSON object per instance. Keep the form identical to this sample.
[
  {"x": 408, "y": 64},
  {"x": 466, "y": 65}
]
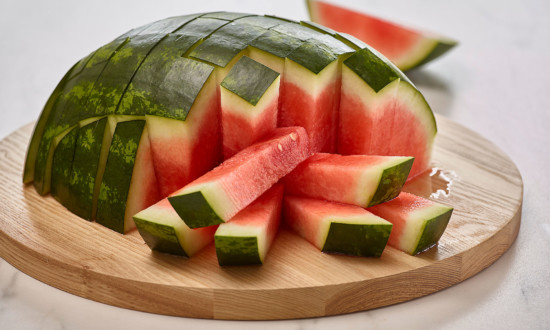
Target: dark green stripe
[
  {"x": 249, "y": 79},
  {"x": 195, "y": 210},
  {"x": 391, "y": 182},
  {"x": 364, "y": 240},
  {"x": 432, "y": 231},
  {"x": 237, "y": 250},
  {"x": 276, "y": 43},
  {"x": 159, "y": 237},
  {"x": 84, "y": 168},
  {"x": 373, "y": 70},
  {"x": 115, "y": 184},
  {"x": 62, "y": 166},
  {"x": 313, "y": 56}
]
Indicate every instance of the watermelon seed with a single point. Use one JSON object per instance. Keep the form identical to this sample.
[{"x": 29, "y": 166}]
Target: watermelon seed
[
  {"x": 280, "y": 147},
  {"x": 293, "y": 136}
]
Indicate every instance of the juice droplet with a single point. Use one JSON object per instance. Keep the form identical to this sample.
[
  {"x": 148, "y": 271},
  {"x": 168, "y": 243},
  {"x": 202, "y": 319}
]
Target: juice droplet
[{"x": 442, "y": 182}]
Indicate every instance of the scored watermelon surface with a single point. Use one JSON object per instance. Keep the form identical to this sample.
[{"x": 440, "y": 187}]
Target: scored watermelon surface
[
  {"x": 146, "y": 117},
  {"x": 406, "y": 47}
]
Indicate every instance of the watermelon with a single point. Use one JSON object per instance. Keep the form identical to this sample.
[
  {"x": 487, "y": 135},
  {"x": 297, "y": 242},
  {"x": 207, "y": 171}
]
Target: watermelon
[
  {"x": 360, "y": 180},
  {"x": 249, "y": 101},
  {"x": 144, "y": 118},
  {"x": 218, "y": 195},
  {"x": 246, "y": 238},
  {"x": 120, "y": 195},
  {"x": 406, "y": 47},
  {"x": 163, "y": 231},
  {"x": 337, "y": 228},
  {"x": 418, "y": 223},
  {"x": 383, "y": 113}
]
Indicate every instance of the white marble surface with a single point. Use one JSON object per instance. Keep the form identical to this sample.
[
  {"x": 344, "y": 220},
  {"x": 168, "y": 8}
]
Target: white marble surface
[{"x": 494, "y": 83}]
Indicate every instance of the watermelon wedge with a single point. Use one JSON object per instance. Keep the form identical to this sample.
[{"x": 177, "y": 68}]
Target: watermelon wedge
[
  {"x": 382, "y": 113},
  {"x": 218, "y": 195},
  {"x": 249, "y": 99},
  {"x": 163, "y": 231},
  {"x": 337, "y": 228},
  {"x": 121, "y": 196},
  {"x": 246, "y": 238},
  {"x": 406, "y": 47},
  {"x": 418, "y": 223},
  {"x": 360, "y": 180}
]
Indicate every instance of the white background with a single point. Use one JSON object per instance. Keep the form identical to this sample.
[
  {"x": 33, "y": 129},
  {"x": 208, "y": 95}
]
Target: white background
[{"x": 495, "y": 82}]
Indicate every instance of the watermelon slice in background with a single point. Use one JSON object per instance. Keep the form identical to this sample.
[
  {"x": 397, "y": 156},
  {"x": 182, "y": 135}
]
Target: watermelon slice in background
[
  {"x": 418, "y": 223},
  {"x": 218, "y": 195},
  {"x": 337, "y": 228},
  {"x": 361, "y": 180},
  {"x": 246, "y": 238},
  {"x": 406, "y": 47},
  {"x": 163, "y": 231},
  {"x": 249, "y": 98}
]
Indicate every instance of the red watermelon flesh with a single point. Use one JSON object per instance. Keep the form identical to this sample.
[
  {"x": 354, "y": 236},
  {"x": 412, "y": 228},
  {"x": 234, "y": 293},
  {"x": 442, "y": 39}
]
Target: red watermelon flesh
[
  {"x": 317, "y": 96},
  {"x": 418, "y": 223},
  {"x": 184, "y": 150},
  {"x": 221, "y": 193},
  {"x": 392, "y": 121}
]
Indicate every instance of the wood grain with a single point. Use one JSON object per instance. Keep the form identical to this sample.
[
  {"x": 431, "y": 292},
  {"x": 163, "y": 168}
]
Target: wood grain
[{"x": 41, "y": 238}]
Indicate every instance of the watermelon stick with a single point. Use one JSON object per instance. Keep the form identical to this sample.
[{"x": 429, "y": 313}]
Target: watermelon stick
[
  {"x": 418, "y": 223},
  {"x": 337, "y": 228},
  {"x": 163, "y": 231},
  {"x": 362, "y": 180},
  {"x": 246, "y": 238},
  {"x": 218, "y": 195}
]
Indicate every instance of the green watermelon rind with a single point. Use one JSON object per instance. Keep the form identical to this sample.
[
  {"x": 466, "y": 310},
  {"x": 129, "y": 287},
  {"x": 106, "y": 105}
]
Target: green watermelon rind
[
  {"x": 159, "y": 237},
  {"x": 432, "y": 230},
  {"x": 362, "y": 240},
  {"x": 249, "y": 80},
  {"x": 195, "y": 209},
  {"x": 237, "y": 250},
  {"x": 391, "y": 181}
]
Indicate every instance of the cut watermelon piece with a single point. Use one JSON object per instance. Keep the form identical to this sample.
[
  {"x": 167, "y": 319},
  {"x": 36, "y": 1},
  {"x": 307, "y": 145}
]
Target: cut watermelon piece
[
  {"x": 383, "y": 114},
  {"x": 62, "y": 164},
  {"x": 406, "y": 47},
  {"x": 121, "y": 196},
  {"x": 337, "y": 228},
  {"x": 249, "y": 100},
  {"x": 247, "y": 237},
  {"x": 313, "y": 87},
  {"x": 92, "y": 142},
  {"x": 356, "y": 179},
  {"x": 188, "y": 146},
  {"x": 218, "y": 195},
  {"x": 418, "y": 223},
  {"x": 163, "y": 231}
]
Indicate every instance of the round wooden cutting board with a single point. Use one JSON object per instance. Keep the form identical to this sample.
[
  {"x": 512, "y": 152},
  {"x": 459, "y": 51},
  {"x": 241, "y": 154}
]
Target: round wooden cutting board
[{"x": 44, "y": 240}]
